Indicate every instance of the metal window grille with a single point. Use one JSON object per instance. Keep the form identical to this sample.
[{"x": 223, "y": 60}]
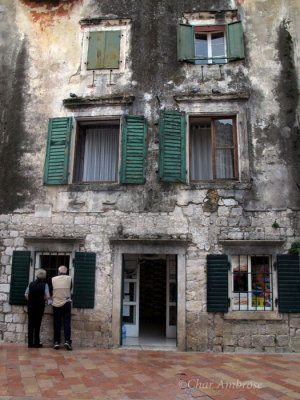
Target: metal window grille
[
  {"x": 51, "y": 261},
  {"x": 252, "y": 283}
]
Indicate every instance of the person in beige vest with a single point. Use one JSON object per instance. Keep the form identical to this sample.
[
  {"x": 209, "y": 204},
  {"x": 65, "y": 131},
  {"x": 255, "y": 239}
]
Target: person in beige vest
[{"x": 61, "y": 302}]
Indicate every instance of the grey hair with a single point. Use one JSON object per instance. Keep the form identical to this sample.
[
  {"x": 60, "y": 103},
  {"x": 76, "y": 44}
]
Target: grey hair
[
  {"x": 62, "y": 269},
  {"x": 41, "y": 274}
]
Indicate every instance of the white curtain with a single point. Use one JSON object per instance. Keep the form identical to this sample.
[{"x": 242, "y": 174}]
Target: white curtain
[
  {"x": 201, "y": 153},
  {"x": 101, "y": 155},
  {"x": 224, "y": 157},
  {"x": 224, "y": 161}
]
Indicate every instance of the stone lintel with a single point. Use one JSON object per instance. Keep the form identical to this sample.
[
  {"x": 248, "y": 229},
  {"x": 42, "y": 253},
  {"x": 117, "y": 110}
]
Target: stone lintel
[
  {"x": 243, "y": 243},
  {"x": 147, "y": 241},
  {"x": 61, "y": 239},
  {"x": 76, "y": 102},
  {"x": 101, "y": 20},
  {"x": 212, "y": 97}
]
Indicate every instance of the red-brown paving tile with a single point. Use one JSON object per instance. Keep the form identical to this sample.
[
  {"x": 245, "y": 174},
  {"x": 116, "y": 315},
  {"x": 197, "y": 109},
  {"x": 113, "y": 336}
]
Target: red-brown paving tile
[{"x": 131, "y": 374}]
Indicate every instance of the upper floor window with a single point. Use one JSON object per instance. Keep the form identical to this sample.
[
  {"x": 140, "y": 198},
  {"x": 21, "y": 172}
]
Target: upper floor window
[
  {"x": 212, "y": 148},
  {"x": 97, "y": 151},
  {"x": 213, "y": 151},
  {"x": 104, "y": 50},
  {"x": 210, "y": 46},
  {"x": 105, "y": 44},
  {"x": 206, "y": 38},
  {"x": 106, "y": 150}
]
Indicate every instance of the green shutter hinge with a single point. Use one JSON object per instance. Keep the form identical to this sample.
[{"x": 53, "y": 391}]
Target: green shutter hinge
[
  {"x": 275, "y": 265},
  {"x": 229, "y": 266},
  {"x": 276, "y": 302},
  {"x": 229, "y": 301}
]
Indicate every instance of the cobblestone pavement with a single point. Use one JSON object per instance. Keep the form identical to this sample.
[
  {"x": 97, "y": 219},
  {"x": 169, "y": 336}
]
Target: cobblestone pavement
[{"x": 143, "y": 374}]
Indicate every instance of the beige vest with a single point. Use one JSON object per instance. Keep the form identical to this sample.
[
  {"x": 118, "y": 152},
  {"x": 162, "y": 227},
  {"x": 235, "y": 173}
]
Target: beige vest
[{"x": 61, "y": 290}]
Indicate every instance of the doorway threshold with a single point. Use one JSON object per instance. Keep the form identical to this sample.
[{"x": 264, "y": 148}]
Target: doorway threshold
[
  {"x": 149, "y": 343},
  {"x": 151, "y": 348}
]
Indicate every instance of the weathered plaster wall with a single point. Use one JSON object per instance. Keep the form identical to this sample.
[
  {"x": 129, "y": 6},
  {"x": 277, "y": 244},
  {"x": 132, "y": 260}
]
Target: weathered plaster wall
[{"x": 42, "y": 42}]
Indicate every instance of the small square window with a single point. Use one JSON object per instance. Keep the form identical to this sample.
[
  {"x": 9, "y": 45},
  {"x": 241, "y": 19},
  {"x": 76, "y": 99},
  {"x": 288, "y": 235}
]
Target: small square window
[
  {"x": 251, "y": 283},
  {"x": 97, "y": 151},
  {"x": 213, "y": 152}
]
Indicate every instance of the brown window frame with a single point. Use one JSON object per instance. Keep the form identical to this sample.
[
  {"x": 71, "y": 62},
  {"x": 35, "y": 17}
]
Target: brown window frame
[{"x": 214, "y": 148}]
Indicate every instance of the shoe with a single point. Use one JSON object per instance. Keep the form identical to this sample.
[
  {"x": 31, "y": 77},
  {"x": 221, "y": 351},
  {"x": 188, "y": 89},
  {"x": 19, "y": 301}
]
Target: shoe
[
  {"x": 38, "y": 346},
  {"x": 30, "y": 346},
  {"x": 68, "y": 345},
  {"x": 56, "y": 346}
]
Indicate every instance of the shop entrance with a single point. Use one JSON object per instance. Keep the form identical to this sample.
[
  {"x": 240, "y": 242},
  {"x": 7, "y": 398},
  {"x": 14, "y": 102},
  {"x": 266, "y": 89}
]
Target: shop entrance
[{"x": 149, "y": 297}]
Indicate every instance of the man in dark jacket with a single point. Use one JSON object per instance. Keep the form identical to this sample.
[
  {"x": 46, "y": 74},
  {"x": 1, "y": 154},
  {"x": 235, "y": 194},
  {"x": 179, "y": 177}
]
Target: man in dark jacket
[{"x": 36, "y": 294}]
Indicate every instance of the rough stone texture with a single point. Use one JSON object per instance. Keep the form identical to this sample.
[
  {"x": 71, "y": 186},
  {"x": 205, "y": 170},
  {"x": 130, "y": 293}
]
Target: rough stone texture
[{"x": 43, "y": 64}]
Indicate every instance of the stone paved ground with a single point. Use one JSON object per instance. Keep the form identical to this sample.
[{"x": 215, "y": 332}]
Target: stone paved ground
[{"x": 142, "y": 374}]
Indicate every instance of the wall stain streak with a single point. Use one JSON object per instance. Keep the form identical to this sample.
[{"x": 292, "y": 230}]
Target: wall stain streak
[{"x": 45, "y": 12}]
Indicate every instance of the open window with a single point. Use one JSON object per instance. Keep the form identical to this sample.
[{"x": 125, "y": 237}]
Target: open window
[
  {"x": 207, "y": 41},
  {"x": 97, "y": 151},
  {"x": 107, "y": 150}
]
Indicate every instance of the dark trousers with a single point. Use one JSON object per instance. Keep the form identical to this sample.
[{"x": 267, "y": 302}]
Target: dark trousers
[
  {"x": 65, "y": 313},
  {"x": 35, "y": 316}
]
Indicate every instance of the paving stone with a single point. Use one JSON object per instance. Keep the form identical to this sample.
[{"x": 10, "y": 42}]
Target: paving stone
[{"x": 144, "y": 374}]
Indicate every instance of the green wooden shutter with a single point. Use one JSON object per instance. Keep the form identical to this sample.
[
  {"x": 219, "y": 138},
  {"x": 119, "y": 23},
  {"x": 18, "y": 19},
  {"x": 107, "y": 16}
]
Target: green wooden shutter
[
  {"x": 57, "y": 155},
  {"x": 217, "y": 283},
  {"x": 133, "y": 149},
  {"x": 288, "y": 276},
  {"x": 172, "y": 146},
  {"x": 235, "y": 41},
  {"x": 19, "y": 277},
  {"x": 84, "y": 280},
  {"x": 104, "y": 50},
  {"x": 185, "y": 43}
]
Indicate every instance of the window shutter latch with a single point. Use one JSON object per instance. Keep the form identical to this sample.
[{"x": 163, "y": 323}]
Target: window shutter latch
[
  {"x": 229, "y": 266},
  {"x": 275, "y": 265},
  {"x": 276, "y": 302},
  {"x": 229, "y": 301}
]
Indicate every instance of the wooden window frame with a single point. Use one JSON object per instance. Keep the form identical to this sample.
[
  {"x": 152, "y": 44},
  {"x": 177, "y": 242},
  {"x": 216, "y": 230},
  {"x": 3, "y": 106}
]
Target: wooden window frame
[
  {"x": 96, "y": 122},
  {"x": 208, "y": 31},
  {"x": 214, "y": 148}
]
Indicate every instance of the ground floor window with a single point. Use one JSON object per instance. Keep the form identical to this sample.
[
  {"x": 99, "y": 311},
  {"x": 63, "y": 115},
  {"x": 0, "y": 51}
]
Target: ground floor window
[
  {"x": 51, "y": 262},
  {"x": 251, "y": 283}
]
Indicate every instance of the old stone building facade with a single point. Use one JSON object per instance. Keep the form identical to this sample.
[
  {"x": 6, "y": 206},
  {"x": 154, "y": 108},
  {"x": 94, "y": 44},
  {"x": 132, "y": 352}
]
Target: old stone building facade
[{"x": 153, "y": 148}]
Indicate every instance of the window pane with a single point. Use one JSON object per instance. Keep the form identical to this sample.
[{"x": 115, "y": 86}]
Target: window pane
[
  {"x": 129, "y": 314},
  {"x": 260, "y": 281},
  {"x": 201, "y": 152},
  {"x": 129, "y": 291},
  {"x": 224, "y": 132},
  {"x": 224, "y": 164},
  {"x": 172, "y": 315},
  {"x": 101, "y": 155},
  {"x": 218, "y": 47},
  {"x": 201, "y": 49},
  {"x": 240, "y": 282}
]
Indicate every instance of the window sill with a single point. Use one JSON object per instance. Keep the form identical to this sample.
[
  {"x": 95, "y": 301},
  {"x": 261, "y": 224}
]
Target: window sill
[
  {"x": 253, "y": 315},
  {"x": 230, "y": 184},
  {"x": 96, "y": 187}
]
